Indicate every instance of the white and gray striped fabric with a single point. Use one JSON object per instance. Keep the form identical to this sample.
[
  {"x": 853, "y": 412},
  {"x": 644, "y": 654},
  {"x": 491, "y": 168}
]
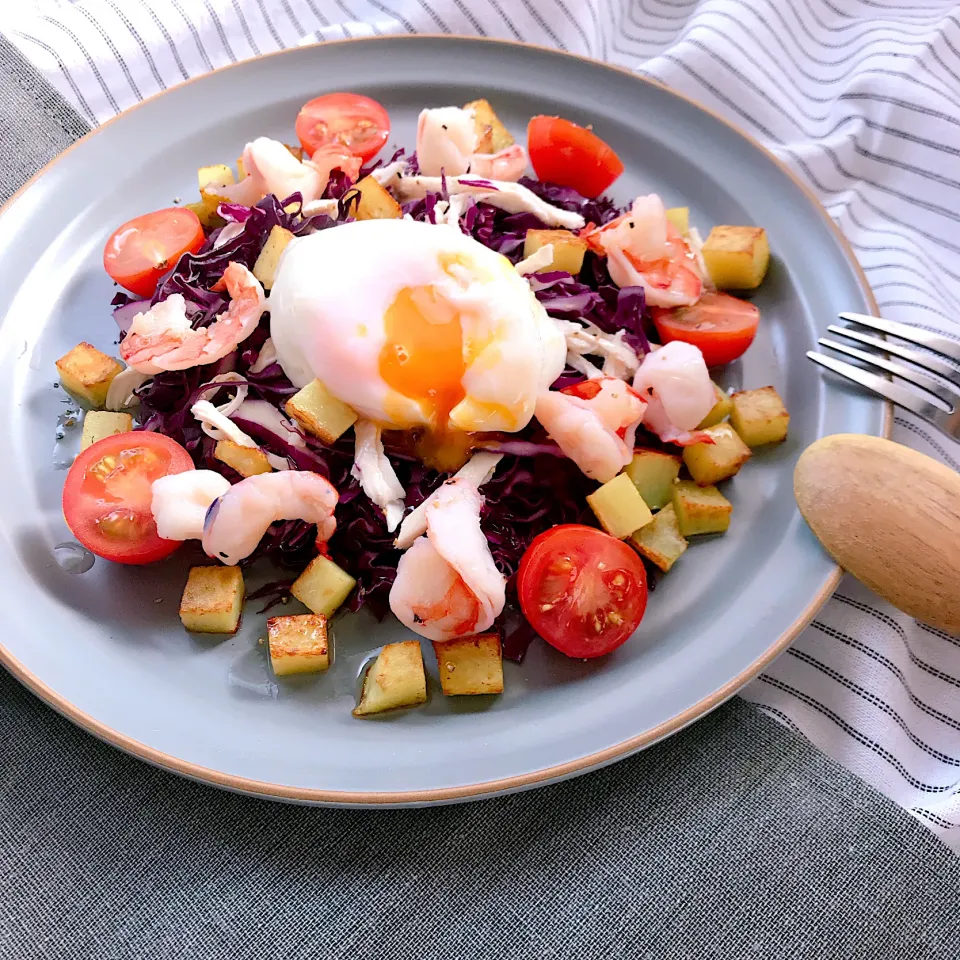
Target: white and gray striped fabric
[{"x": 859, "y": 97}]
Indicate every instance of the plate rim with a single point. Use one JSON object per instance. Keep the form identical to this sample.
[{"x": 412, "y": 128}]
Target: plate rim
[{"x": 487, "y": 788}]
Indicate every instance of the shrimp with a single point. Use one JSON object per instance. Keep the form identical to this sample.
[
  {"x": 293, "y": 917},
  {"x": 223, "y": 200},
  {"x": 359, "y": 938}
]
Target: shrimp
[
  {"x": 507, "y": 164},
  {"x": 180, "y": 502},
  {"x": 594, "y": 427},
  {"x": 237, "y": 520},
  {"x": 271, "y": 168},
  {"x": 447, "y": 583},
  {"x": 643, "y": 249},
  {"x": 446, "y": 141},
  {"x": 679, "y": 393},
  {"x": 162, "y": 338}
]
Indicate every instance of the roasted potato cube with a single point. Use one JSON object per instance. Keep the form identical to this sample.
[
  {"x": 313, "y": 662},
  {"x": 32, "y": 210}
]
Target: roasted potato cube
[
  {"x": 215, "y": 175},
  {"x": 661, "y": 541},
  {"x": 492, "y": 135},
  {"x": 653, "y": 473},
  {"x": 212, "y": 600},
  {"x": 470, "y": 665},
  {"x": 265, "y": 268},
  {"x": 375, "y": 202},
  {"x": 298, "y": 644},
  {"x": 87, "y": 373},
  {"x": 719, "y": 411},
  {"x": 320, "y": 413},
  {"x": 712, "y": 462},
  {"x": 568, "y": 249},
  {"x": 99, "y": 424},
  {"x": 619, "y": 507},
  {"x": 700, "y": 509},
  {"x": 395, "y": 679},
  {"x": 323, "y": 586},
  {"x": 680, "y": 218},
  {"x": 759, "y": 416},
  {"x": 247, "y": 461},
  {"x": 737, "y": 257}
]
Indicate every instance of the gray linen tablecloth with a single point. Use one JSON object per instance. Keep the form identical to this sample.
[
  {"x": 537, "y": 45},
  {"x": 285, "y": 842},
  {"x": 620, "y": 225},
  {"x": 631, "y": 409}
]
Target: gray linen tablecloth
[{"x": 733, "y": 839}]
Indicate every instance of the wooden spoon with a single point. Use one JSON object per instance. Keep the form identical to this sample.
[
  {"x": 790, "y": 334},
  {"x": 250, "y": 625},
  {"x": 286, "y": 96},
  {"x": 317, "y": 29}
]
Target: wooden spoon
[{"x": 891, "y": 517}]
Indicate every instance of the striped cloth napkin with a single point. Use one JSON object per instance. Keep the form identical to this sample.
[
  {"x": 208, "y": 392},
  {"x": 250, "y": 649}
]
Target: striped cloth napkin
[{"x": 858, "y": 97}]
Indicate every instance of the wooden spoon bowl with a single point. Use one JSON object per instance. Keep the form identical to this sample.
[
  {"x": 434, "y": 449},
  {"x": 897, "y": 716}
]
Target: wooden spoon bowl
[{"x": 890, "y": 516}]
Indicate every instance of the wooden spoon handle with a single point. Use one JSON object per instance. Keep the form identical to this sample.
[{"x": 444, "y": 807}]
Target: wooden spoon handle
[{"x": 890, "y": 516}]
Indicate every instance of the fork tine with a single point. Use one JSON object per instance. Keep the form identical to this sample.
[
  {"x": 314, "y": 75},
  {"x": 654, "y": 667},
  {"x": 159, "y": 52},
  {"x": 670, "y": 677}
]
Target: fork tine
[
  {"x": 934, "y": 341},
  {"x": 930, "y": 361},
  {"x": 919, "y": 378},
  {"x": 891, "y": 391}
]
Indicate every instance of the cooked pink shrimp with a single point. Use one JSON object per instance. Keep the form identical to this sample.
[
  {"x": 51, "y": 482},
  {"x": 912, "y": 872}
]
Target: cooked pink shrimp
[
  {"x": 163, "y": 339},
  {"x": 507, "y": 165},
  {"x": 446, "y": 141},
  {"x": 271, "y": 168},
  {"x": 644, "y": 249},
  {"x": 237, "y": 521},
  {"x": 679, "y": 393},
  {"x": 447, "y": 583},
  {"x": 594, "y": 423}
]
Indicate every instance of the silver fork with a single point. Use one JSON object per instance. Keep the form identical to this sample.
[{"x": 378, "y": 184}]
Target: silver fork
[{"x": 937, "y": 400}]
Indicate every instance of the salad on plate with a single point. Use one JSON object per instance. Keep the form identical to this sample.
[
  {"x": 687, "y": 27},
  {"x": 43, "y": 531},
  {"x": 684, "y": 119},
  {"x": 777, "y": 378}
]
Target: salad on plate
[{"x": 428, "y": 385}]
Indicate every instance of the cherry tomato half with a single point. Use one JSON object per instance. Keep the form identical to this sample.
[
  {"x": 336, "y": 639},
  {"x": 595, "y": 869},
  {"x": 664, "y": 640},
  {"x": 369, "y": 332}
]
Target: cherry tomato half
[
  {"x": 346, "y": 119},
  {"x": 720, "y": 325},
  {"x": 141, "y": 251},
  {"x": 561, "y": 152},
  {"x": 582, "y": 590},
  {"x": 107, "y": 495}
]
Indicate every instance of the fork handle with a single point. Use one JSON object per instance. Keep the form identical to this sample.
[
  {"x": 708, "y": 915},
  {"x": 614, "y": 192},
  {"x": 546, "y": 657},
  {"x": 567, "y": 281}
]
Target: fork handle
[{"x": 890, "y": 516}]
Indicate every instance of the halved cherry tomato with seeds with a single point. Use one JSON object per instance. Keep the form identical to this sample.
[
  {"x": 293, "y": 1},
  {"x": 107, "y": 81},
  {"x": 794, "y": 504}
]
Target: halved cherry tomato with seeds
[
  {"x": 143, "y": 249},
  {"x": 582, "y": 590},
  {"x": 349, "y": 120},
  {"x": 720, "y": 325},
  {"x": 108, "y": 493}
]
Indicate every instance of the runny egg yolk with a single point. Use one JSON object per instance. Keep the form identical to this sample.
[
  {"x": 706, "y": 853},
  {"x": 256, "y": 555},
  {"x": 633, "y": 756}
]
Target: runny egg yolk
[{"x": 423, "y": 356}]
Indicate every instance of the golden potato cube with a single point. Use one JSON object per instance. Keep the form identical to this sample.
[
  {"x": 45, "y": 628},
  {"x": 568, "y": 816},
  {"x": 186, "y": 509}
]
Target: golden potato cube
[
  {"x": 661, "y": 542},
  {"x": 700, "y": 509},
  {"x": 680, "y": 218},
  {"x": 323, "y": 586},
  {"x": 652, "y": 473},
  {"x": 395, "y": 679},
  {"x": 212, "y": 600},
  {"x": 374, "y": 201},
  {"x": 712, "y": 462},
  {"x": 737, "y": 257},
  {"x": 719, "y": 411},
  {"x": 320, "y": 413},
  {"x": 470, "y": 665},
  {"x": 99, "y": 424},
  {"x": 619, "y": 507},
  {"x": 265, "y": 268},
  {"x": 247, "y": 461},
  {"x": 568, "y": 249},
  {"x": 87, "y": 373},
  {"x": 298, "y": 644},
  {"x": 492, "y": 135},
  {"x": 759, "y": 416},
  {"x": 215, "y": 175}
]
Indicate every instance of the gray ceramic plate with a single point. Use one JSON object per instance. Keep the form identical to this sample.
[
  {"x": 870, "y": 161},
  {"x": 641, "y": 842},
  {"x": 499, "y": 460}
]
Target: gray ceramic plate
[{"x": 106, "y": 647}]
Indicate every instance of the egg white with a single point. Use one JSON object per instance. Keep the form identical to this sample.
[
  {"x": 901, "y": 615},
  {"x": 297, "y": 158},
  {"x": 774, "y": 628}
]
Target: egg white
[{"x": 334, "y": 288}]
